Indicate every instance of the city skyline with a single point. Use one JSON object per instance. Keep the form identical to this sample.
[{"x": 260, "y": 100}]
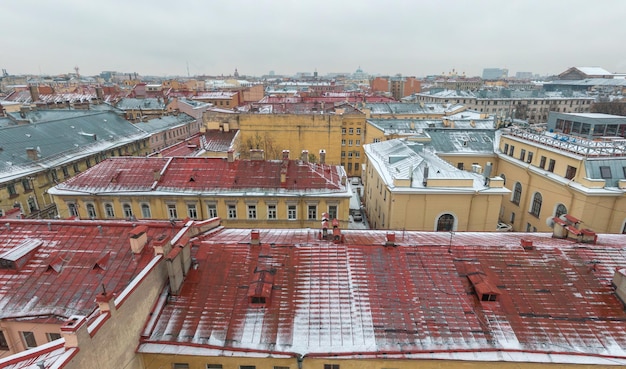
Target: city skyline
[{"x": 409, "y": 38}]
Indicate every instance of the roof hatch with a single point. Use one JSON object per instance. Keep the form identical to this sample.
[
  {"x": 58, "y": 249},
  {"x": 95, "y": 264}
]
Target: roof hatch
[{"x": 19, "y": 255}]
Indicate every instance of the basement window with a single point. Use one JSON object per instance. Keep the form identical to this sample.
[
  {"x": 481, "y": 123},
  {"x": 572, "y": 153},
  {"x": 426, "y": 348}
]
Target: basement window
[
  {"x": 247, "y": 366},
  {"x": 214, "y": 366},
  {"x": 331, "y": 366},
  {"x": 180, "y": 366}
]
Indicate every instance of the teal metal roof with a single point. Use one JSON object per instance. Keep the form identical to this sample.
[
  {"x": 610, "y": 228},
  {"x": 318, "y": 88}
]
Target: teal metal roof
[{"x": 61, "y": 141}]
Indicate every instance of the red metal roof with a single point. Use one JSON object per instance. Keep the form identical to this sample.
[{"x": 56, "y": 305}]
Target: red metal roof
[
  {"x": 121, "y": 174},
  {"x": 73, "y": 262},
  {"x": 362, "y": 298}
]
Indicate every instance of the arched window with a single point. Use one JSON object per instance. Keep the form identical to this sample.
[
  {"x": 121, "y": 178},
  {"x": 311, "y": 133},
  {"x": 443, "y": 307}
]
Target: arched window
[
  {"x": 91, "y": 211},
  {"x": 445, "y": 223},
  {"x": 128, "y": 211},
  {"x": 73, "y": 209},
  {"x": 108, "y": 209},
  {"x": 517, "y": 193},
  {"x": 145, "y": 211},
  {"x": 535, "y": 207},
  {"x": 560, "y": 210}
]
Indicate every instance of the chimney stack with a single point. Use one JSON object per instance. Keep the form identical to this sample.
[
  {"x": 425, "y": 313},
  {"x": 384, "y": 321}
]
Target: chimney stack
[
  {"x": 74, "y": 327},
  {"x": 231, "y": 155},
  {"x": 285, "y": 154},
  {"x": 305, "y": 156},
  {"x": 322, "y": 156},
  {"x": 32, "y": 153},
  {"x": 255, "y": 237},
  {"x": 99, "y": 94},
  {"x": 34, "y": 93},
  {"x": 257, "y": 154}
]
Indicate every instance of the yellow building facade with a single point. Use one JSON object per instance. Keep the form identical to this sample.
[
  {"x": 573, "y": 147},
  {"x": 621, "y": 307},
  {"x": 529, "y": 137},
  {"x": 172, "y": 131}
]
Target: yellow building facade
[
  {"x": 274, "y": 133},
  {"x": 549, "y": 177},
  {"x": 407, "y": 187}
]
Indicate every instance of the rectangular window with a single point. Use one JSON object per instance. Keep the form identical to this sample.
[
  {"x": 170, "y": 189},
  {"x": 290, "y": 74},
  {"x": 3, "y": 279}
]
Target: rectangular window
[
  {"x": 343, "y": 142},
  {"x": 343, "y": 131},
  {"x": 570, "y": 172},
  {"x": 171, "y": 211},
  {"x": 11, "y": 189},
  {"x": 358, "y": 142},
  {"x": 522, "y": 155},
  {"x": 331, "y": 366},
  {"x": 506, "y": 148},
  {"x": 88, "y": 162},
  {"x": 542, "y": 162},
  {"x": 351, "y": 131},
  {"x": 180, "y": 366},
  {"x": 251, "y": 211},
  {"x": 291, "y": 212},
  {"x": 192, "y": 211},
  {"x": 312, "y": 212},
  {"x": 551, "y": 165},
  {"x": 350, "y": 142},
  {"x": 343, "y": 154},
  {"x": 511, "y": 150},
  {"x": 357, "y": 154},
  {"x": 26, "y": 185},
  {"x": 271, "y": 211},
  {"x": 145, "y": 211},
  {"x": 29, "y": 339},
  {"x": 605, "y": 172},
  {"x": 460, "y": 166},
  {"x": 53, "y": 336},
  {"x": 214, "y": 366},
  {"x": 75, "y": 168},
  {"x": 358, "y": 131},
  {"x": 66, "y": 172},
  {"x": 376, "y": 140},
  {"x": 4, "y": 344},
  {"x": 332, "y": 211},
  {"x": 232, "y": 211},
  {"x": 530, "y": 157},
  {"x": 212, "y": 210},
  {"x": 247, "y": 367}
]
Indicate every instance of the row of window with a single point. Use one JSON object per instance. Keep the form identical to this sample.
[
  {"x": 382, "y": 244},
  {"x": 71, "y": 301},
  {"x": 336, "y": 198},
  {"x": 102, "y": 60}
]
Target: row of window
[
  {"x": 351, "y": 142},
  {"x": 220, "y": 366},
  {"x": 537, "y": 200},
  {"x": 192, "y": 211},
  {"x": 355, "y": 154},
  {"x": 28, "y": 339},
  {"x": 351, "y": 131},
  {"x": 528, "y": 157}
]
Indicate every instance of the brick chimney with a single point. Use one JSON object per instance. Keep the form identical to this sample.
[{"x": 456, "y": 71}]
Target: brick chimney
[
  {"x": 231, "y": 155},
  {"x": 138, "y": 238},
  {"x": 255, "y": 237},
  {"x": 105, "y": 302},
  {"x": 34, "y": 92},
  {"x": 74, "y": 330},
  {"x": 322, "y": 156},
  {"x": 99, "y": 94},
  {"x": 257, "y": 154},
  {"x": 32, "y": 153}
]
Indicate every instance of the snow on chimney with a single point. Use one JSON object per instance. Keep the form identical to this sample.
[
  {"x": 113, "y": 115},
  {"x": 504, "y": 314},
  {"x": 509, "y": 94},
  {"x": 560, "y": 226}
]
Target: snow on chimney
[
  {"x": 285, "y": 154},
  {"x": 322, "y": 156},
  {"x": 138, "y": 238},
  {"x": 74, "y": 327},
  {"x": 255, "y": 237},
  {"x": 305, "y": 156}
]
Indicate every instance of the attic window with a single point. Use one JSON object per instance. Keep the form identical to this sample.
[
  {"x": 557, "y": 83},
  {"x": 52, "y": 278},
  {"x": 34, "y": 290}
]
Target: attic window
[
  {"x": 484, "y": 288},
  {"x": 19, "y": 255},
  {"x": 605, "y": 172}
]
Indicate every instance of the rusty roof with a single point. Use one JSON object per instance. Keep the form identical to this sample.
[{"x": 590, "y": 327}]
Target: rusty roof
[
  {"x": 73, "y": 261},
  {"x": 202, "y": 174},
  {"x": 412, "y": 300}
]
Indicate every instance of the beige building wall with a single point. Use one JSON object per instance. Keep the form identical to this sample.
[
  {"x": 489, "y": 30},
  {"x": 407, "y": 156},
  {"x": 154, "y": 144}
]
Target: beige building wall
[
  {"x": 419, "y": 209},
  {"x": 190, "y": 206},
  {"x": 15, "y": 331},
  {"x": 116, "y": 340},
  {"x": 200, "y": 362},
  {"x": 352, "y": 140},
  {"x": 601, "y": 211}
]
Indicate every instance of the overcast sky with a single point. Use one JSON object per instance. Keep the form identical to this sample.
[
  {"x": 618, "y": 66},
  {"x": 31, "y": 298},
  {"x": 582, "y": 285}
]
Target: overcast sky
[{"x": 171, "y": 37}]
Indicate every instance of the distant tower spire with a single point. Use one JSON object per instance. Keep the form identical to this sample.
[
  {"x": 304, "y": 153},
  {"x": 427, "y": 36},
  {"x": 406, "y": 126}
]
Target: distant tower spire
[{"x": 236, "y": 73}]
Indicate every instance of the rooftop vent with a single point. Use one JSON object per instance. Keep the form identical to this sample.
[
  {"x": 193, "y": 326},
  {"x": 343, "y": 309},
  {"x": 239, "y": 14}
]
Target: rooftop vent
[
  {"x": 19, "y": 255},
  {"x": 485, "y": 290}
]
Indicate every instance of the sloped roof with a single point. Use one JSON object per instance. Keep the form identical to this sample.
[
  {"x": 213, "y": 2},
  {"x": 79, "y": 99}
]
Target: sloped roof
[
  {"x": 458, "y": 141},
  {"x": 594, "y": 71},
  {"x": 149, "y": 103},
  {"x": 70, "y": 266},
  {"x": 165, "y": 122},
  {"x": 360, "y": 299},
  {"x": 203, "y": 175},
  {"x": 62, "y": 141}
]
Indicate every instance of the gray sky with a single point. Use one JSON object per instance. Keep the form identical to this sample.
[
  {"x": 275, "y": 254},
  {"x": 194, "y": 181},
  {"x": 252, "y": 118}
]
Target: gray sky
[{"x": 162, "y": 37}]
